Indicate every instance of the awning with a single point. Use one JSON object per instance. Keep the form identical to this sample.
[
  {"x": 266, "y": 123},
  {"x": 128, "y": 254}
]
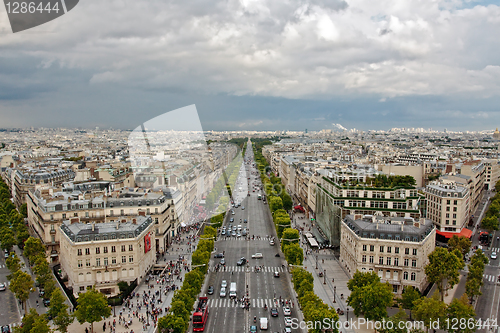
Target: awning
[
  {"x": 312, "y": 242},
  {"x": 464, "y": 233}
]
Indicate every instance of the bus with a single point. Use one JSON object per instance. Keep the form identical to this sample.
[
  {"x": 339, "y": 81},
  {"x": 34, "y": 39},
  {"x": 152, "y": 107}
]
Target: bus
[{"x": 200, "y": 316}]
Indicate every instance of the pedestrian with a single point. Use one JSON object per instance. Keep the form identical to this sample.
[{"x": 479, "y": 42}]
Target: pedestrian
[{"x": 37, "y": 303}]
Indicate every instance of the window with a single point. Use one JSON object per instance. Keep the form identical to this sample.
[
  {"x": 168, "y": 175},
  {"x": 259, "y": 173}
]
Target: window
[
  {"x": 106, "y": 261},
  {"x": 86, "y": 214},
  {"x": 372, "y": 248},
  {"x": 382, "y": 248},
  {"x": 105, "y": 249},
  {"x": 454, "y": 222},
  {"x": 454, "y": 209},
  {"x": 407, "y": 250},
  {"x": 123, "y": 248},
  {"x": 82, "y": 288},
  {"x": 363, "y": 259},
  {"x": 156, "y": 220},
  {"x": 414, "y": 252},
  {"x": 52, "y": 217},
  {"x": 388, "y": 261},
  {"x": 396, "y": 261},
  {"x": 113, "y": 248},
  {"x": 405, "y": 276},
  {"x": 406, "y": 262},
  {"x": 381, "y": 260},
  {"x": 122, "y": 212},
  {"x": 447, "y": 209},
  {"x": 80, "y": 263},
  {"x": 98, "y": 262},
  {"x": 396, "y": 250},
  {"x": 389, "y": 249},
  {"x": 413, "y": 276},
  {"x": 455, "y": 202},
  {"x": 75, "y": 215},
  {"x": 97, "y": 250},
  {"x": 447, "y": 215},
  {"x": 413, "y": 263},
  {"x": 394, "y": 288},
  {"x": 387, "y": 274},
  {"x": 447, "y": 222},
  {"x": 364, "y": 247},
  {"x": 131, "y": 247},
  {"x": 371, "y": 259},
  {"x": 111, "y": 212},
  {"x": 448, "y": 202},
  {"x": 79, "y": 251},
  {"x": 87, "y": 262},
  {"x": 64, "y": 215},
  {"x": 130, "y": 258},
  {"x": 113, "y": 260},
  {"x": 87, "y": 251},
  {"x": 124, "y": 259}
]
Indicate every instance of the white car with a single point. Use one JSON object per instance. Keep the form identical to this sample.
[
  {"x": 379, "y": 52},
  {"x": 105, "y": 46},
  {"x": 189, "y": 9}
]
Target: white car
[
  {"x": 222, "y": 292},
  {"x": 2, "y": 287},
  {"x": 493, "y": 255},
  {"x": 257, "y": 256},
  {"x": 288, "y": 322},
  {"x": 287, "y": 311},
  {"x": 271, "y": 242},
  {"x": 223, "y": 284}
]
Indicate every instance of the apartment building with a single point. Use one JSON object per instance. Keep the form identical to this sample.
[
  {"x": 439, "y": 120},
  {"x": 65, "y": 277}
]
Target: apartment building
[
  {"x": 448, "y": 207},
  {"x": 397, "y": 248},
  {"x": 335, "y": 200},
  {"x": 476, "y": 170},
  {"x": 97, "y": 202},
  {"x": 103, "y": 254},
  {"x": 492, "y": 173}
]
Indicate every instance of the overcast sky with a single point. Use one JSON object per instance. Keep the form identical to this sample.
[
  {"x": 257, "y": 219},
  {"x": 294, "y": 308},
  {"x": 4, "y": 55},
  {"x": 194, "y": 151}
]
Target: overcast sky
[{"x": 257, "y": 64}]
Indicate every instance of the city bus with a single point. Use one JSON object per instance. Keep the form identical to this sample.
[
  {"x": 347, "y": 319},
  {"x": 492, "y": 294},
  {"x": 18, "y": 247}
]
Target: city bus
[{"x": 200, "y": 316}]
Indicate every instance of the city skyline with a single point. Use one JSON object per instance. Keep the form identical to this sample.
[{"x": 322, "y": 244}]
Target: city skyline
[{"x": 257, "y": 65}]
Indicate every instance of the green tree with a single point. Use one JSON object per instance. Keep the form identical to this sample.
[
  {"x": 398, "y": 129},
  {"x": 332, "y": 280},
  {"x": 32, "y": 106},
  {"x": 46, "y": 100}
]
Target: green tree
[
  {"x": 21, "y": 285},
  {"x": 275, "y": 203},
  {"x": 398, "y": 323},
  {"x": 474, "y": 282},
  {"x": 290, "y": 236},
  {"x": 461, "y": 243},
  {"x": 23, "y": 210},
  {"x": 360, "y": 279},
  {"x": 294, "y": 254},
  {"x": 59, "y": 311},
  {"x": 8, "y": 241},
  {"x": 33, "y": 248},
  {"x": 287, "y": 201},
  {"x": 171, "y": 322},
  {"x": 371, "y": 300},
  {"x": 179, "y": 310},
  {"x": 13, "y": 262},
  {"x": 92, "y": 307},
  {"x": 460, "y": 309},
  {"x": 443, "y": 269},
  {"x": 42, "y": 272},
  {"x": 490, "y": 223},
  {"x": 27, "y": 322},
  {"x": 429, "y": 310},
  {"x": 40, "y": 325},
  {"x": 409, "y": 296}
]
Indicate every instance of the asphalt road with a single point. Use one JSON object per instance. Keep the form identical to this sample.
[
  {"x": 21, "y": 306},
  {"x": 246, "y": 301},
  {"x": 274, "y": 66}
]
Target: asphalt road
[
  {"x": 8, "y": 307},
  {"x": 262, "y": 287}
]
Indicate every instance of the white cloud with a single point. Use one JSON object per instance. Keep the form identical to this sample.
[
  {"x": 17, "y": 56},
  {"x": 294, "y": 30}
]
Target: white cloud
[{"x": 293, "y": 49}]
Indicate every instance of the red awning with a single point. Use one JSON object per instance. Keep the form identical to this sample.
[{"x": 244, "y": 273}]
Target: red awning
[{"x": 464, "y": 233}]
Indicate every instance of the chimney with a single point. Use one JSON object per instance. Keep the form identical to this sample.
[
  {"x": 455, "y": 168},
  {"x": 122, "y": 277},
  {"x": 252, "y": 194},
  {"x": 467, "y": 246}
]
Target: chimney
[
  {"x": 93, "y": 226},
  {"x": 117, "y": 224},
  {"x": 75, "y": 220},
  {"x": 123, "y": 220},
  {"x": 401, "y": 226},
  {"x": 142, "y": 213},
  {"x": 134, "y": 221}
]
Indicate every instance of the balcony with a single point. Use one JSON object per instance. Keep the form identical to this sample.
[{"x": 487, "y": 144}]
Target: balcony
[{"x": 103, "y": 268}]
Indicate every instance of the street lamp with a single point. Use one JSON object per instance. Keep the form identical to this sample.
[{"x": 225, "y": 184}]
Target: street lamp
[
  {"x": 316, "y": 262},
  {"x": 324, "y": 276},
  {"x": 347, "y": 314},
  {"x": 334, "y": 291}
]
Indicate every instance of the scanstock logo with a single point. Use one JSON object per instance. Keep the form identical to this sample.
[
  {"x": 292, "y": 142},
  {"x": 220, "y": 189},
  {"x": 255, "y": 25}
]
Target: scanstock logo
[{"x": 25, "y": 15}]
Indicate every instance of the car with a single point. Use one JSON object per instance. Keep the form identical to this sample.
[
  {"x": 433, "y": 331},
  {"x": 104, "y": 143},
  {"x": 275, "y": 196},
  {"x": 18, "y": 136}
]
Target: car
[
  {"x": 222, "y": 292},
  {"x": 219, "y": 255},
  {"x": 223, "y": 261},
  {"x": 41, "y": 293},
  {"x": 2, "y": 287},
  {"x": 232, "y": 212},
  {"x": 231, "y": 220},
  {"x": 244, "y": 232},
  {"x": 241, "y": 262},
  {"x": 242, "y": 207},
  {"x": 274, "y": 312},
  {"x": 223, "y": 284},
  {"x": 287, "y": 330},
  {"x": 253, "y": 329},
  {"x": 245, "y": 221},
  {"x": 277, "y": 274},
  {"x": 6, "y": 329},
  {"x": 257, "y": 256},
  {"x": 288, "y": 322},
  {"x": 271, "y": 242},
  {"x": 223, "y": 232},
  {"x": 493, "y": 255},
  {"x": 235, "y": 228},
  {"x": 46, "y": 302},
  {"x": 238, "y": 234},
  {"x": 234, "y": 234},
  {"x": 210, "y": 290},
  {"x": 287, "y": 311}
]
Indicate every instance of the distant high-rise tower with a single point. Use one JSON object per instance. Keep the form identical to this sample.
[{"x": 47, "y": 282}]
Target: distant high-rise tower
[{"x": 306, "y": 130}]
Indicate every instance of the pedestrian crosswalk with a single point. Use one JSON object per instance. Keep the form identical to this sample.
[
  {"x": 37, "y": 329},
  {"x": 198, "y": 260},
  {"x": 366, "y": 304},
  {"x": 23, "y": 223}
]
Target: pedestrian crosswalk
[
  {"x": 2, "y": 266},
  {"x": 230, "y": 303},
  {"x": 490, "y": 278},
  {"x": 495, "y": 249},
  {"x": 264, "y": 269}
]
